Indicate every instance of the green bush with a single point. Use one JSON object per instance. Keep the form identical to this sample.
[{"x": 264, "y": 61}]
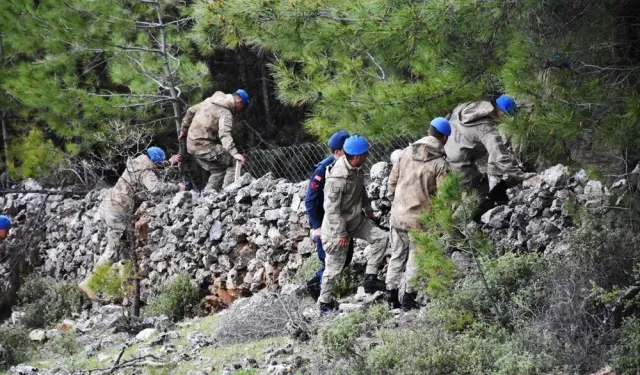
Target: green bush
[
  {"x": 339, "y": 337},
  {"x": 307, "y": 270},
  {"x": 176, "y": 300},
  {"x": 45, "y": 302},
  {"x": 626, "y": 355},
  {"x": 113, "y": 281},
  {"x": 65, "y": 344},
  {"x": 15, "y": 344}
]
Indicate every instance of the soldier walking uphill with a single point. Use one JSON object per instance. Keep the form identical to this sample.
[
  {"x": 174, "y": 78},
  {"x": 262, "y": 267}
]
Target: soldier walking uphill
[
  {"x": 414, "y": 179},
  {"x": 207, "y": 127},
  {"x": 345, "y": 201},
  {"x": 476, "y": 136},
  {"x": 118, "y": 205},
  {"x": 314, "y": 201}
]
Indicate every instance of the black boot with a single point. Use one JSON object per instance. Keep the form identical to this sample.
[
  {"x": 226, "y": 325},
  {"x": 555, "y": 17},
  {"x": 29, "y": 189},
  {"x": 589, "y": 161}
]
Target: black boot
[
  {"x": 313, "y": 287},
  {"x": 328, "y": 308},
  {"x": 409, "y": 302},
  {"x": 392, "y": 298},
  {"x": 372, "y": 284}
]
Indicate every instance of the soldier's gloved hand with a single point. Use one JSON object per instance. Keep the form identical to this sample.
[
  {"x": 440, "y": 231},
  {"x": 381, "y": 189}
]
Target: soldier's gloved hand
[
  {"x": 343, "y": 241},
  {"x": 240, "y": 158},
  {"x": 182, "y": 187},
  {"x": 317, "y": 232}
]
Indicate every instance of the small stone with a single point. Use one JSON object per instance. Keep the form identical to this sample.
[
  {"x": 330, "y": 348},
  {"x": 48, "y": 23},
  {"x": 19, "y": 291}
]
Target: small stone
[
  {"x": 25, "y": 370},
  {"x": 555, "y": 176},
  {"x": 38, "y": 335},
  {"x": 145, "y": 334},
  {"x": 379, "y": 170},
  {"x": 215, "y": 234},
  {"x": 347, "y": 307},
  {"x": 272, "y": 215},
  {"x": 497, "y": 217}
]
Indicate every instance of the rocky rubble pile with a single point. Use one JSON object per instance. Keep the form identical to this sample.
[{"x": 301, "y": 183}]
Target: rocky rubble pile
[
  {"x": 539, "y": 211},
  {"x": 254, "y": 234}
]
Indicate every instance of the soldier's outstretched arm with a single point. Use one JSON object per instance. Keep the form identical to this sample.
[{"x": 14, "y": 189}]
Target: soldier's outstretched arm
[
  {"x": 152, "y": 183},
  {"x": 500, "y": 159},
  {"x": 188, "y": 117},
  {"x": 333, "y": 191}
]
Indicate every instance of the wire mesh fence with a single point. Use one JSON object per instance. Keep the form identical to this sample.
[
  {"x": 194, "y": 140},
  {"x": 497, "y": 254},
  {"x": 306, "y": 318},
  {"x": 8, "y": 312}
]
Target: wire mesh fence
[{"x": 296, "y": 163}]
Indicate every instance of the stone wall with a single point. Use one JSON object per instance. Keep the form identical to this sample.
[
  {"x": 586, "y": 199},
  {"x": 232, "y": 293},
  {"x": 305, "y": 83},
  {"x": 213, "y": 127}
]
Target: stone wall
[{"x": 254, "y": 234}]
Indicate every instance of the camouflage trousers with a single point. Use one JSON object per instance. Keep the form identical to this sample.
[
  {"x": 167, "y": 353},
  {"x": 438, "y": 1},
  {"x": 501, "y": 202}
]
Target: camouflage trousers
[
  {"x": 403, "y": 261},
  {"x": 219, "y": 164},
  {"x": 336, "y": 256},
  {"x": 116, "y": 225}
]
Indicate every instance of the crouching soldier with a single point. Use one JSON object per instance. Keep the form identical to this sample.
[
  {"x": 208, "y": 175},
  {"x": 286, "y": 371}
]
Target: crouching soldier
[
  {"x": 314, "y": 201},
  {"x": 345, "y": 202},
  {"x": 412, "y": 182},
  {"x": 475, "y": 136},
  {"x": 117, "y": 207},
  {"x": 207, "y": 127}
]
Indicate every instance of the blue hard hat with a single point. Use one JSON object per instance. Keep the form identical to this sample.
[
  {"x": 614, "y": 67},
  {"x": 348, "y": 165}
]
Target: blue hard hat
[
  {"x": 244, "y": 96},
  {"x": 156, "y": 154},
  {"x": 356, "y": 145},
  {"x": 5, "y": 222},
  {"x": 507, "y": 104},
  {"x": 336, "y": 142},
  {"x": 442, "y": 125}
]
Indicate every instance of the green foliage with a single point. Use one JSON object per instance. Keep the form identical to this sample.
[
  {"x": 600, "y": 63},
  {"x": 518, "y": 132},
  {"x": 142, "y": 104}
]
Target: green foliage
[
  {"x": 624, "y": 356},
  {"x": 348, "y": 282},
  {"x": 362, "y": 65},
  {"x": 69, "y": 67},
  {"x": 66, "y": 344},
  {"x": 339, "y": 338},
  {"x": 16, "y": 345},
  {"x": 178, "y": 299},
  {"x": 307, "y": 270},
  {"x": 113, "y": 281},
  {"x": 45, "y": 303}
]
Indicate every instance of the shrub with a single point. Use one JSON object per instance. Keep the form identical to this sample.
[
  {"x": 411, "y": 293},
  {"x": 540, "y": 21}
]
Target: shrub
[
  {"x": 45, "y": 302},
  {"x": 65, "y": 344},
  {"x": 261, "y": 316},
  {"x": 15, "y": 345},
  {"x": 339, "y": 337},
  {"x": 113, "y": 281},
  {"x": 307, "y": 270},
  {"x": 176, "y": 300},
  {"x": 625, "y": 355}
]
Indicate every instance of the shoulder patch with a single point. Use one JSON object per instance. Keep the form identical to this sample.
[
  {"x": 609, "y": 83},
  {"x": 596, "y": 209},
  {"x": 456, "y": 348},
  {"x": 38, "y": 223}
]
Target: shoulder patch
[
  {"x": 314, "y": 185},
  {"x": 317, "y": 178}
]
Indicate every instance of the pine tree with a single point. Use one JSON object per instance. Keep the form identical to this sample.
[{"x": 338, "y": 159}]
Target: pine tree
[
  {"x": 70, "y": 67},
  {"x": 388, "y": 67}
]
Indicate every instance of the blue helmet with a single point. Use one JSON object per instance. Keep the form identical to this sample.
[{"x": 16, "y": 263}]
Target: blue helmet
[
  {"x": 336, "y": 142},
  {"x": 244, "y": 96},
  {"x": 356, "y": 145},
  {"x": 442, "y": 125},
  {"x": 156, "y": 154},
  {"x": 507, "y": 104},
  {"x": 5, "y": 222}
]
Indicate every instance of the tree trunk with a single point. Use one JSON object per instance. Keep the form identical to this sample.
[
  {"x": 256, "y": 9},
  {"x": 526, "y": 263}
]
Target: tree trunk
[
  {"x": 265, "y": 96},
  {"x": 5, "y": 146}
]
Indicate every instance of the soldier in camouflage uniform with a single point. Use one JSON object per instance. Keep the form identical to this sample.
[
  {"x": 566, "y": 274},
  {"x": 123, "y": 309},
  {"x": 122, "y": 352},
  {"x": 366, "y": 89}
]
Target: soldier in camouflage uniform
[
  {"x": 207, "y": 127},
  {"x": 118, "y": 205},
  {"x": 347, "y": 211},
  {"x": 476, "y": 136},
  {"x": 413, "y": 180}
]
